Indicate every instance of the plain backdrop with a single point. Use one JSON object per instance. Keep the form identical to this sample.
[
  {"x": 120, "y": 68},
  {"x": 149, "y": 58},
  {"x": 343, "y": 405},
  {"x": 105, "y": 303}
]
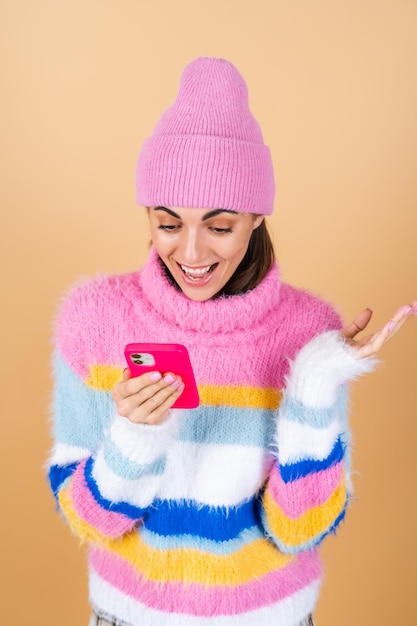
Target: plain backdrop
[{"x": 334, "y": 87}]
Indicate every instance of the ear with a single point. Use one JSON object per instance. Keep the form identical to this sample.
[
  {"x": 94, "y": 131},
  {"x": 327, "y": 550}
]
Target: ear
[{"x": 257, "y": 221}]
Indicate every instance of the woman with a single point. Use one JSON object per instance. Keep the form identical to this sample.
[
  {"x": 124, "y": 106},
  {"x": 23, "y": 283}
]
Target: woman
[{"x": 212, "y": 514}]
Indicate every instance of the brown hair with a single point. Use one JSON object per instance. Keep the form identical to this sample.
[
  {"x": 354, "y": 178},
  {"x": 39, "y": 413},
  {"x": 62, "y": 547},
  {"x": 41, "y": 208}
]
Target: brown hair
[
  {"x": 252, "y": 269},
  {"x": 255, "y": 264}
]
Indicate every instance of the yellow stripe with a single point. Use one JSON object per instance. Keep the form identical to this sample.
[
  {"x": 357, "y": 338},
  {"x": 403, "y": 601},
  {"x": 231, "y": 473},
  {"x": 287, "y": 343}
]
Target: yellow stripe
[
  {"x": 79, "y": 526},
  {"x": 293, "y": 532},
  {"x": 104, "y": 377},
  {"x": 240, "y": 396},
  {"x": 256, "y": 559}
]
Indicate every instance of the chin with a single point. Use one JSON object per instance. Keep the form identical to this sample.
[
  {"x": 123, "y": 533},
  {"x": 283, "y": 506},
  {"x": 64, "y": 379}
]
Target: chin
[{"x": 199, "y": 295}]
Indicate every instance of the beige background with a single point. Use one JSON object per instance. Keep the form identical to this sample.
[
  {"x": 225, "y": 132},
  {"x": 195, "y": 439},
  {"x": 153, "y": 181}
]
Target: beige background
[{"x": 334, "y": 86}]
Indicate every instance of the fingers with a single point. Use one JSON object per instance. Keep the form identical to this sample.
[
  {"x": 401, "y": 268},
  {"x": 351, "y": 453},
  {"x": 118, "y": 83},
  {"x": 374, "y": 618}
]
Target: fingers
[
  {"x": 372, "y": 344},
  {"x": 401, "y": 316},
  {"x": 359, "y": 323},
  {"x": 147, "y": 399}
]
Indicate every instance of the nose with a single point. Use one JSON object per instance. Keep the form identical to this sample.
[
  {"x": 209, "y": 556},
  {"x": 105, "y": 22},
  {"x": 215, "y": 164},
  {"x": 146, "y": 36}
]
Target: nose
[{"x": 191, "y": 247}]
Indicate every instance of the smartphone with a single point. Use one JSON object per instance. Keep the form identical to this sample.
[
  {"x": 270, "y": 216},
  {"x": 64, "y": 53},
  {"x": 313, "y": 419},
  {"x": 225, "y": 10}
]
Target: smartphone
[{"x": 165, "y": 357}]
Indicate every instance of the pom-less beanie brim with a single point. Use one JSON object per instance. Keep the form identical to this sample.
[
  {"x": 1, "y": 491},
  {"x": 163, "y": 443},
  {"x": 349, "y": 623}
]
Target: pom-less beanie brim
[{"x": 227, "y": 174}]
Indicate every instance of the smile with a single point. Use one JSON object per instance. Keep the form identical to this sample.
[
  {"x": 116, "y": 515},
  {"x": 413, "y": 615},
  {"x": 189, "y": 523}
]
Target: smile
[{"x": 197, "y": 273}]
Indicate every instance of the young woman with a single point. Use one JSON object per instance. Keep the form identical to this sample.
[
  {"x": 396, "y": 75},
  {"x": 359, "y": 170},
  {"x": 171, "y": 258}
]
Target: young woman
[{"x": 214, "y": 514}]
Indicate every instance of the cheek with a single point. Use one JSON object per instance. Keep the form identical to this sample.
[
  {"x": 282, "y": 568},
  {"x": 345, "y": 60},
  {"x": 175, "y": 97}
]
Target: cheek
[
  {"x": 161, "y": 243},
  {"x": 236, "y": 250},
  {"x": 162, "y": 252}
]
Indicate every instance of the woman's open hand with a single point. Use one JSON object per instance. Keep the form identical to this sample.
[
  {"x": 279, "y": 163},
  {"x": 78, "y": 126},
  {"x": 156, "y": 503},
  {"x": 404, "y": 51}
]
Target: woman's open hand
[
  {"x": 146, "y": 399},
  {"x": 371, "y": 344}
]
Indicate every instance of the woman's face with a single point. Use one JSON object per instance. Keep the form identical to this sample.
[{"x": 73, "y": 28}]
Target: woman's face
[{"x": 202, "y": 248}]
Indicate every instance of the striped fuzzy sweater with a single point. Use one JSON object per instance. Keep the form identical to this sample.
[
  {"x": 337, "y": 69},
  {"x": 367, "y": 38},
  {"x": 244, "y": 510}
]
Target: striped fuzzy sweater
[{"x": 215, "y": 515}]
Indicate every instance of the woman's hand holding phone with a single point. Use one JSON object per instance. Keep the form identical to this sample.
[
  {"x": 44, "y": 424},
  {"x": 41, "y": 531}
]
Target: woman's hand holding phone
[{"x": 147, "y": 399}]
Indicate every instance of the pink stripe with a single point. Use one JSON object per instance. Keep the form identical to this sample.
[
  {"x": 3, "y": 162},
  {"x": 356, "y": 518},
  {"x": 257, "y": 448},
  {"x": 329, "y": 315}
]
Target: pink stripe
[
  {"x": 202, "y": 600},
  {"x": 108, "y": 523},
  {"x": 297, "y": 497}
]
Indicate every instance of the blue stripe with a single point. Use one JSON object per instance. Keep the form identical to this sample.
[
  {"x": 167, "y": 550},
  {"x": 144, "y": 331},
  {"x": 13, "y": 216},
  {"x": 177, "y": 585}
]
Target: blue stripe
[
  {"x": 128, "y": 469},
  {"x": 58, "y": 474},
  {"x": 169, "y": 518},
  {"x": 134, "y": 512},
  {"x": 294, "y": 411},
  {"x": 199, "y": 543},
  {"x": 303, "y": 468},
  {"x": 220, "y": 425},
  {"x": 80, "y": 414}
]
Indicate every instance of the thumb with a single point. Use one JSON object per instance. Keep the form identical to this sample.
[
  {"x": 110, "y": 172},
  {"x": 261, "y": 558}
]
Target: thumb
[
  {"x": 126, "y": 374},
  {"x": 360, "y": 322}
]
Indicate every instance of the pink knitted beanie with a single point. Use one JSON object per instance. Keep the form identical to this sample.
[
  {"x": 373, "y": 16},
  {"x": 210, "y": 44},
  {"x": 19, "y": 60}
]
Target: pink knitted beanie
[{"x": 207, "y": 149}]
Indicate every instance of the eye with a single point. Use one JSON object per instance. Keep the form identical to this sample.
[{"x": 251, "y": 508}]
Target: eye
[
  {"x": 220, "y": 231},
  {"x": 168, "y": 227}
]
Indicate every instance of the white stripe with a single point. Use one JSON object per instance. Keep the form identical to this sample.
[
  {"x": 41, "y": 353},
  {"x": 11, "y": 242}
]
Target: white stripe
[
  {"x": 63, "y": 454},
  {"x": 297, "y": 441},
  {"x": 214, "y": 475},
  {"x": 142, "y": 443},
  {"x": 288, "y": 612},
  {"x": 321, "y": 366},
  {"x": 139, "y": 492}
]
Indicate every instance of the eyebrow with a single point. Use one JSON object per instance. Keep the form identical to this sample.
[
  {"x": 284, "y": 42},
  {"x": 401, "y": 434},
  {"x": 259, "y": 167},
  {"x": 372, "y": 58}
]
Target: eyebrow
[{"x": 205, "y": 217}]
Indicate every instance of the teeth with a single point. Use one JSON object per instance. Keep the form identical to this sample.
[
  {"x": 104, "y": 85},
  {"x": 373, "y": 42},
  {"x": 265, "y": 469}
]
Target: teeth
[{"x": 198, "y": 271}]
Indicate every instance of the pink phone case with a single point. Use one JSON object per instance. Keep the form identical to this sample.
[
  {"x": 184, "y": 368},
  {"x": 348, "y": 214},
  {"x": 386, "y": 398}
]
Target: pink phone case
[{"x": 165, "y": 357}]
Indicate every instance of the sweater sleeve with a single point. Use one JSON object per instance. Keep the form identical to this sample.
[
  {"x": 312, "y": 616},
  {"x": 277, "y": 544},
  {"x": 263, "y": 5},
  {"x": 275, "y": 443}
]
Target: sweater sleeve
[
  {"x": 307, "y": 492},
  {"x": 103, "y": 470}
]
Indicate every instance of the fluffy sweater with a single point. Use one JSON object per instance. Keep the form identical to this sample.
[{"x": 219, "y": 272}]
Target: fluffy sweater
[{"x": 215, "y": 515}]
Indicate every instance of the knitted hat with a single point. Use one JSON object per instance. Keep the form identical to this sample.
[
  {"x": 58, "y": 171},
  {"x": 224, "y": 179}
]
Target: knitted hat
[{"x": 207, "y": 149}]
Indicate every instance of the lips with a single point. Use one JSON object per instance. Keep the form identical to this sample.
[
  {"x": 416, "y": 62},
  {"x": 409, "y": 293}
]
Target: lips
[{"x": 197, "y": 274}]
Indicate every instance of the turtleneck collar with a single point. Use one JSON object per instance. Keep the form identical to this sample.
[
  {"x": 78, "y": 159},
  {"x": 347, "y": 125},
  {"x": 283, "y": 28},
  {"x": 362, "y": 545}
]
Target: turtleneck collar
[{"x": 223, "y": 314}]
